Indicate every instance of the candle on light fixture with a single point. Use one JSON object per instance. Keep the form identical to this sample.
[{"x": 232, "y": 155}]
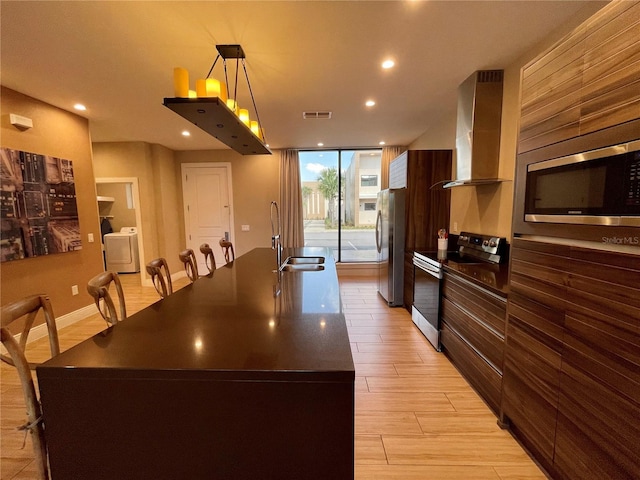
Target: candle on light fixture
[
  {"x": 181, "y": 82},
  {"x": 201, "y": 87},
  {"x": 255, "y": 128},
  {"x": 243, "y": 115},
  {"x": 233, "y": 106},
  {"x": 213, "y": 87},
  {"x": 223, "y": 91}
]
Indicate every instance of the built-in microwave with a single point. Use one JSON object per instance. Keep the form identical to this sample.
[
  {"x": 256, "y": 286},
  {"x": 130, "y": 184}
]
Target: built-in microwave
[{"x": 600, "y": 187}]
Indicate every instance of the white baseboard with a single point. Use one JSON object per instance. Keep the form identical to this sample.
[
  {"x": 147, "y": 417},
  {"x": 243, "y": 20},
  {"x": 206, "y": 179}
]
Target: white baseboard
[{"x": 40, "y": 331}]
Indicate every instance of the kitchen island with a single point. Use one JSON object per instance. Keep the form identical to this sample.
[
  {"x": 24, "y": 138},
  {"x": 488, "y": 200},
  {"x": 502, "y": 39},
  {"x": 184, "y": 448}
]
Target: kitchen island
[{"x": 246, "y": 373}]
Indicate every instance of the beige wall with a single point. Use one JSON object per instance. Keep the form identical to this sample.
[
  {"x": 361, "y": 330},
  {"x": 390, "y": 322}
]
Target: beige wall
[
  {"x": 255, "y": 183},
  {"x": 160, "y": 200},
  {"x": 123, "y": 216},
  {"x": 488, "y": 208},
  {"x": 62, "y": 134}
]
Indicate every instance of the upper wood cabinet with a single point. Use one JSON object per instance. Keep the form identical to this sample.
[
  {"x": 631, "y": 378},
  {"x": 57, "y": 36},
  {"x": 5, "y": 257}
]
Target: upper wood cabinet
[{"x": 587, "y": 82}]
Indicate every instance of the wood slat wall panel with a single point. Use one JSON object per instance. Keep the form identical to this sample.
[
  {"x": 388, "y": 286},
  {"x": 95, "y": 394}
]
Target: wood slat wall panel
[
  {"x": 614, "y": 116},
  {"x": 598, "y": 70},
  {"x": 562, "y": 132},
  {"x": 565, "y": 98},
  {"x": 478, "y": 373},
  {"x": 600, "y": 58},
  {"x": 553, "y": 85},
  {"x": 556, "y": 60}
]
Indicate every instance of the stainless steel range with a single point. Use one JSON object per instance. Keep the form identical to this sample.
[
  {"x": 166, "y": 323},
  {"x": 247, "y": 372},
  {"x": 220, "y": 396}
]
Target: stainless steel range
[{"x": 471, "y": 248}]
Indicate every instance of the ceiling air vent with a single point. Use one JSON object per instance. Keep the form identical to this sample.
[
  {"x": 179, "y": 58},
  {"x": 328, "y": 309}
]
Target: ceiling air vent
[{"x": 318, "y": 115}]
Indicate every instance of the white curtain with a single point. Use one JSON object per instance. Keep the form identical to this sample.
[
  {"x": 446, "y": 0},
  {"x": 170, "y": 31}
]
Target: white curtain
[
  {"x": 388, "y": 154},
  {"x": 292, "y": 229}
]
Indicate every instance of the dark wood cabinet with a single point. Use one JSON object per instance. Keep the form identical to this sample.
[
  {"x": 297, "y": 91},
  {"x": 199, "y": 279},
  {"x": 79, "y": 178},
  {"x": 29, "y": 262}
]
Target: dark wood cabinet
[
  {"x": 571, "y": 386},
  {"x": 427, "y": 209},
  {"x": 587, "y": 82},
  {"x": 472, "y": 336}
]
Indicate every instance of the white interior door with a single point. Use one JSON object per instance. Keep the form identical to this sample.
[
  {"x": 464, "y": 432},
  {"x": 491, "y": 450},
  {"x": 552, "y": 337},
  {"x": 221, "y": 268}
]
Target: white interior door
[{"x": 208, "y": 216}]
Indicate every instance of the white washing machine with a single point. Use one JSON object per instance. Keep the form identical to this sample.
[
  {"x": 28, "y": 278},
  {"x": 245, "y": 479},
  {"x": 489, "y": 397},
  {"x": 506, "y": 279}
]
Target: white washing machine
[{"x": 121, "y": 251}]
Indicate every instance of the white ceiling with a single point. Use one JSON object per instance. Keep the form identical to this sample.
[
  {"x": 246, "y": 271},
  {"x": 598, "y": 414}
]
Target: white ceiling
[{"x": 118, "y": 59}]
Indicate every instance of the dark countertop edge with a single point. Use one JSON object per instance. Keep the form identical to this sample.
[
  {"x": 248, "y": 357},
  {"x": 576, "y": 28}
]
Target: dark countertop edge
[
  {"x": 304, "y": 376},
  {"x": 501, "y": 292}
]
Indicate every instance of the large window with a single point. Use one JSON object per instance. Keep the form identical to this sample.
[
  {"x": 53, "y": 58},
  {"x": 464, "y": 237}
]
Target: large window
[{"x": 339, "y": 192}]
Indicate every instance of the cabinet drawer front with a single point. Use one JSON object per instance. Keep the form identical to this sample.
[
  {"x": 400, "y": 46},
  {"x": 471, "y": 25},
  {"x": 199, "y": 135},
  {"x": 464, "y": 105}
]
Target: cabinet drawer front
[
  {"x": 484, "y": 379},
  {"x": 484, "y": 341},
  {"x": 486, "y": 307}
]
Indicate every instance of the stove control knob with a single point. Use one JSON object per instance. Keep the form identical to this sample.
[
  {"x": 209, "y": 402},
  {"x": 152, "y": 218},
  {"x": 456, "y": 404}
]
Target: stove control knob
[
  {"x": 485, "y": 243},
  {"x": 493, "y": 244},
  {"x": 464, "y": 238}
]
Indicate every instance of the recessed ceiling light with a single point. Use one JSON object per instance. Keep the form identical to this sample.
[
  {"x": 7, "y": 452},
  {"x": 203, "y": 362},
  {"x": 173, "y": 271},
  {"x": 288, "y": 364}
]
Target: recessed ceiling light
[
  {"x": 370, "y": 103},
  {"x": 388, "y": 64},
  {"x": 320, "y": 144},
  {"x": 382, "y": 143},
  {"x": 186, "y": 133},
  {"x": 79, "y": 106}
]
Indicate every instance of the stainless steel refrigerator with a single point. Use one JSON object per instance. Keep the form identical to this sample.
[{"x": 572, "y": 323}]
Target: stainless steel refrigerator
[{"x": 390, "y": 236}]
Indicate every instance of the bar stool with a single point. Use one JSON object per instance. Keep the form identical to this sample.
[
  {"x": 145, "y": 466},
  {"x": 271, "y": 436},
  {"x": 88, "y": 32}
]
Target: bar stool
[
  {"x": 227, "y": 247},
  {"x": 98, "y": 288},
  {"x": 188, "y": 258},
  {"x": 160, "y": 276},
  {"x": 29, "y": 306},
  {"x": 209, "y": 259}
]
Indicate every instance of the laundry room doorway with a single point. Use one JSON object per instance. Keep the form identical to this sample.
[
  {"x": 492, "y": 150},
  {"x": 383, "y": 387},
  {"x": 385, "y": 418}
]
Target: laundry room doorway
[{"x": 119, "y": 210}]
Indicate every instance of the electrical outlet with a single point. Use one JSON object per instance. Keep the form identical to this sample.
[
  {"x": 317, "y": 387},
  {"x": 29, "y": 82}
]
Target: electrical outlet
[
  {"x": 245, "y": 228},
  {"x": 455, "y": 227},
  {"x": 90, "y": 237},
  {"x": 74, "y": 289}
]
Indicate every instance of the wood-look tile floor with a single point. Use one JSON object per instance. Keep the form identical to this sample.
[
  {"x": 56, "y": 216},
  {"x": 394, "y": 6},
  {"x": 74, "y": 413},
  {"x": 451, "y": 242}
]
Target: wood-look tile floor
[{"x": 416, "y": 417}]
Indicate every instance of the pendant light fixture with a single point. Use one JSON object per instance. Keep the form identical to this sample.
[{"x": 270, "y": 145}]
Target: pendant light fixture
[{"x": 214, "y": 108}]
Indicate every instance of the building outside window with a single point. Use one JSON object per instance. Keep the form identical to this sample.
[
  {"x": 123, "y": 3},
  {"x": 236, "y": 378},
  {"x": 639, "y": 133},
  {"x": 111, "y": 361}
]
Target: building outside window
[{"x": 339, "y": 192}]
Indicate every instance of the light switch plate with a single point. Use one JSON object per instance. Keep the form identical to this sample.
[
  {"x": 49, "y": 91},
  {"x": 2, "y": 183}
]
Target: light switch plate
[
  {"x": 90, "y": 237},
  {"x": 245, "y": 228}
]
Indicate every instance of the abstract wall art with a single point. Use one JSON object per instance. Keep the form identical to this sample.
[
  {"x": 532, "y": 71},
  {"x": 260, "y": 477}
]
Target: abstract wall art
[{"x": 39, "y": 213}]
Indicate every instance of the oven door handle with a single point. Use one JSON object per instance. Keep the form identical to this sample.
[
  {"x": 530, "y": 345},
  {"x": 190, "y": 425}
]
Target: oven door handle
[{"x": 430, "y": 269}]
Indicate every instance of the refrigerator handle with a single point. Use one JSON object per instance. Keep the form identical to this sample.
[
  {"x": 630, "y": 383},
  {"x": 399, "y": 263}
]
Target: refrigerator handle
[{"x": 379, "y": 231}]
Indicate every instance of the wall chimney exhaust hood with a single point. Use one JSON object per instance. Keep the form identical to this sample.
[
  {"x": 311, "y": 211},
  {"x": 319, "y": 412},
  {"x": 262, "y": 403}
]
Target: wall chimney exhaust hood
[{"x": 478, "y": 129}]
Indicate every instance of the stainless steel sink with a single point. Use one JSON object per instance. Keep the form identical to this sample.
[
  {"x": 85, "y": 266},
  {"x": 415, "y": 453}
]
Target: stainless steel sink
[
  {"x": 302, "y": 267},
  {"x": 304, "y": 261}
]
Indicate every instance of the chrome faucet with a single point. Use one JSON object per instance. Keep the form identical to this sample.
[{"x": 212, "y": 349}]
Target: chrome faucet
[{"x": 275, "y": 233}]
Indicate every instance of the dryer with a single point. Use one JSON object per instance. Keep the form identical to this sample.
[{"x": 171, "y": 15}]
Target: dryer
[{"x": 121, "y": 251}]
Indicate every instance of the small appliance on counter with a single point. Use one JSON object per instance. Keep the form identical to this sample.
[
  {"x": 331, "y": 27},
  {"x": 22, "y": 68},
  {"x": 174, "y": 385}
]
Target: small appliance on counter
[{"x": 472, "y": 248}]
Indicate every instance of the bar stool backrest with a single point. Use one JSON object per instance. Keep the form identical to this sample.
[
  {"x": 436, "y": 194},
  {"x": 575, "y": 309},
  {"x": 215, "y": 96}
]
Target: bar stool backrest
[
  {"x": 188, "y": 258},
  {"x": 209, "y": 259},
  {"x": 227, "y": 250},
  {"x": 98, "y": 288},
  {"x": 29, "y": 307},
  {"x": 160, "y": 276}
]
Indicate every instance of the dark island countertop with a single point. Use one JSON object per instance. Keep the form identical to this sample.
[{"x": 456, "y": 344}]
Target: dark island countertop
[
  {"x": 246, "y": 373},
  {"x": 244, "y": 321}
]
